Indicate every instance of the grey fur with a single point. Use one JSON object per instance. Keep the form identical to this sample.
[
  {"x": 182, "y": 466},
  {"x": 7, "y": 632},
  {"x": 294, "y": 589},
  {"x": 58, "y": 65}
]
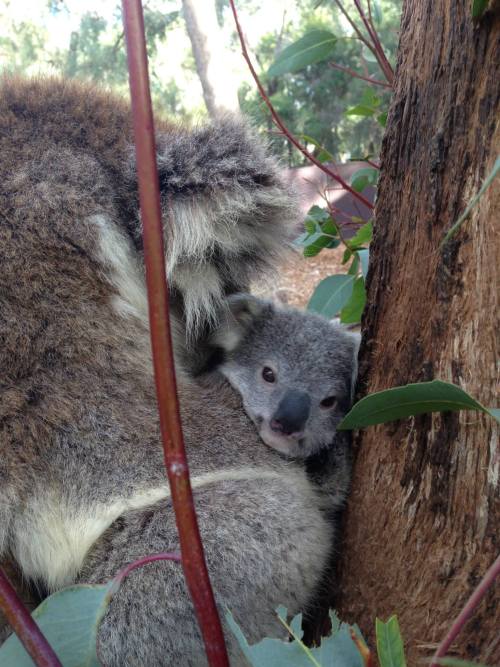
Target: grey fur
[{"x": 82, "y": 482}]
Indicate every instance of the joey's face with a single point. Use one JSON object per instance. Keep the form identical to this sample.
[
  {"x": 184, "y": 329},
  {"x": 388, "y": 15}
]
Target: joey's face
[{"x": 293, "y": 371}]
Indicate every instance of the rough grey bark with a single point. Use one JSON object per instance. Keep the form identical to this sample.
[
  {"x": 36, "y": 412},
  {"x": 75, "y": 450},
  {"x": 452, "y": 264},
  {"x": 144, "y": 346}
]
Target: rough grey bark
[{"x": 423, "y": 519}]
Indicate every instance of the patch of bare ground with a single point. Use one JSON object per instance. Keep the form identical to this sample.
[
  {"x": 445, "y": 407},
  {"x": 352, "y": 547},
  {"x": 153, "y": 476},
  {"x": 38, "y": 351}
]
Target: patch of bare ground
[{"x": 298, "y": 276}]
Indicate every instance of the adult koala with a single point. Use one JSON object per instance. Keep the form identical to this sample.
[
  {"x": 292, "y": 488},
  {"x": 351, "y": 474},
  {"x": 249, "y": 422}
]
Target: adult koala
[{"x": 82, "y": 482}]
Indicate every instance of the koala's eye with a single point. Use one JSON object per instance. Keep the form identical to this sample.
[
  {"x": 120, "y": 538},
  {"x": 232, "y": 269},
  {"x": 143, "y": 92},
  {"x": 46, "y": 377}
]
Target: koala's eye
[
  {"x": 328, "y": 402},
  {"x": 268, "y": 374}
]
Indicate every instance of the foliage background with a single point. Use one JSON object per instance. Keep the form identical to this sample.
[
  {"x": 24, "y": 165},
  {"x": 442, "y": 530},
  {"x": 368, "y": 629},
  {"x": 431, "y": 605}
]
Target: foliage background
[{"x": 85, "y": 40}]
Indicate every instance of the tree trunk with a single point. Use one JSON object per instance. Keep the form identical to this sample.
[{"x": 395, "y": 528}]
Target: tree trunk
[
  {"x": 423, "y": 518},
  {"x": 212, "y": 61}
]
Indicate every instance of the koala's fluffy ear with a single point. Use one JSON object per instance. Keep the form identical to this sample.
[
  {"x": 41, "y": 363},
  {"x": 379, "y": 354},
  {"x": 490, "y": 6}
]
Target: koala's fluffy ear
[{"x": 236, "y": 320}]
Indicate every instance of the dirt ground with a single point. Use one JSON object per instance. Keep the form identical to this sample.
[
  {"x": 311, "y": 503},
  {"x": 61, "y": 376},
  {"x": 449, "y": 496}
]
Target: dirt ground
[{"x": 299, "y": 276}]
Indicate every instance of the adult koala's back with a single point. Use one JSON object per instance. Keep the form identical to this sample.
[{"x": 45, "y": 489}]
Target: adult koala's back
[
  {"x": 74, "y": 350},
  {"x": 82, "y": 482}
]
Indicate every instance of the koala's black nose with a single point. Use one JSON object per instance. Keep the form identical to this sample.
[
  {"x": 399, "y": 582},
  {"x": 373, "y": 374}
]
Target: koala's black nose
[{"x": 292, "y": 413}]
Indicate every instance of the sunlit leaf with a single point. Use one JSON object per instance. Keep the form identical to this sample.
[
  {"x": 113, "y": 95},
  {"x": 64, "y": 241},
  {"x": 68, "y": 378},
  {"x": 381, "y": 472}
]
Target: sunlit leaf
[
  {"x": 409, "y": 400},
  {"x": 314, "y": 47},
  {"x": 360, "y": 110}
]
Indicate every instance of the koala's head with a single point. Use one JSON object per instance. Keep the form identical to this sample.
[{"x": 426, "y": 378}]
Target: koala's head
[{"x": 294, "y": 371}]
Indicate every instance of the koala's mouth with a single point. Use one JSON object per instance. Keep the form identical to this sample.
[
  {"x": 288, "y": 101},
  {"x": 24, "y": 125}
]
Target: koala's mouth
[{"x": 285, "y": 444}]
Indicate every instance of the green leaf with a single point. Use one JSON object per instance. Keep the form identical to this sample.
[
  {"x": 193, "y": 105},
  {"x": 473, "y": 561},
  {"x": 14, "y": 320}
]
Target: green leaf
[
  {"x": 331, "y": 295},
  {"x": 362, "y": 236},
  {"x": 353, "y": 269},
  {"x": 323, "y": 155},
  {"x": 318, "y": 214},
  {"x": 314, "y": 47},
  {"x": 69, "y": 620},
  {"x": 486, "y": 184},
  {"x": 364, "y": 254},
  {"x": 390, "y": 648},
  {"x": 360, "y": 110},
  {"x": 317, "y": 243},
  {"x": 346, "y": 256},
  {"x": 364, "y": 177},
  {"x": 352, "y": 311},
  {"x": 337, "y": 649},
  {"x": 478, "y": 8},
  {"x": 382, "y": 119},
  {"x": 409, "y": 400}
]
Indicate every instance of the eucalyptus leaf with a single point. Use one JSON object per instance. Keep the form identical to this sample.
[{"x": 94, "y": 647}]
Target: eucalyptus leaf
[
  {"x": 331, "y": 295},
  {"x": 360, "y": 110},
  {"x": 362, "y": 236},
  {"x": 69, "y": 621},
  {"x": 317, "y": 214},
  {"x": 408, "y": 400},
  {"x": 353, "y": 269},
  {"x": 390, "y": 648},
  {"x": 338, "y": 649},
  {"x": 319, "y": 242},
  {"x": 323, "y": 155},
  {"x": 363, "y": 178},
  {"x": 364, "y": 254},
  {"x": 313, "y": 47},
  {"x": 478, "y": 8},
  {"x": 382, "y": 119},
  {"x": 353, "y": 309}
]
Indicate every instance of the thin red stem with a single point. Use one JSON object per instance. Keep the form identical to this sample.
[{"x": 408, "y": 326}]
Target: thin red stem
[
  {"x": 21, "y": 621},
  {"x": 276, "y": 118},
  {"x": 358, "y": 32},
  {"x": 483, "y": 587},
  {"x": 379, "y": 50},
  {"x": 152, "y": 558},
  {"x": 353, "y": 73},
  {"x": 372, "y": 164},
  {"x": 193, "y": 560}
]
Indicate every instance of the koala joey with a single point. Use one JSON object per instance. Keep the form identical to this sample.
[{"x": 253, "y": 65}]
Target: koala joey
[{"x": 293, "y": 370}]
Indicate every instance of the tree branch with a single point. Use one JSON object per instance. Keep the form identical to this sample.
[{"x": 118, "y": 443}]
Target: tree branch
[
  {"x": 484, "y": 585},
  {"x": 193, "y": 560},
  {"x": 277, "y": 120},
  {"x": 25, "y": 627},
  {"x": 353, "y": 73},
  {"x": 378, "y": 48}
]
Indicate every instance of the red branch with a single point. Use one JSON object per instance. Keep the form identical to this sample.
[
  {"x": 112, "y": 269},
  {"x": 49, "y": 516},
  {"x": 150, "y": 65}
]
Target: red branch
[
  {"x": 354, "y": 74},
  {"x": 152, "y": 558},
  {"x": 193, "y": 561},
  {"x": 25, "y": 627},
  {"x": 484, "y": 585},
  {"x": 276, "y": 118},
  {"x": 379, "y": 50}
]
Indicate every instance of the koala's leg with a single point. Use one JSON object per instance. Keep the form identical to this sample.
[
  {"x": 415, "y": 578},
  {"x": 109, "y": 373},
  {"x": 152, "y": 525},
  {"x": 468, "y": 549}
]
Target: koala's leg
[{"x": 266, "y": 544}]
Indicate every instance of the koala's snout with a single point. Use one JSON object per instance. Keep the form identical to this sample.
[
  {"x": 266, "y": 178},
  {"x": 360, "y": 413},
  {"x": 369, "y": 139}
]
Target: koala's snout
[{"x": 292, "y": 414}]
